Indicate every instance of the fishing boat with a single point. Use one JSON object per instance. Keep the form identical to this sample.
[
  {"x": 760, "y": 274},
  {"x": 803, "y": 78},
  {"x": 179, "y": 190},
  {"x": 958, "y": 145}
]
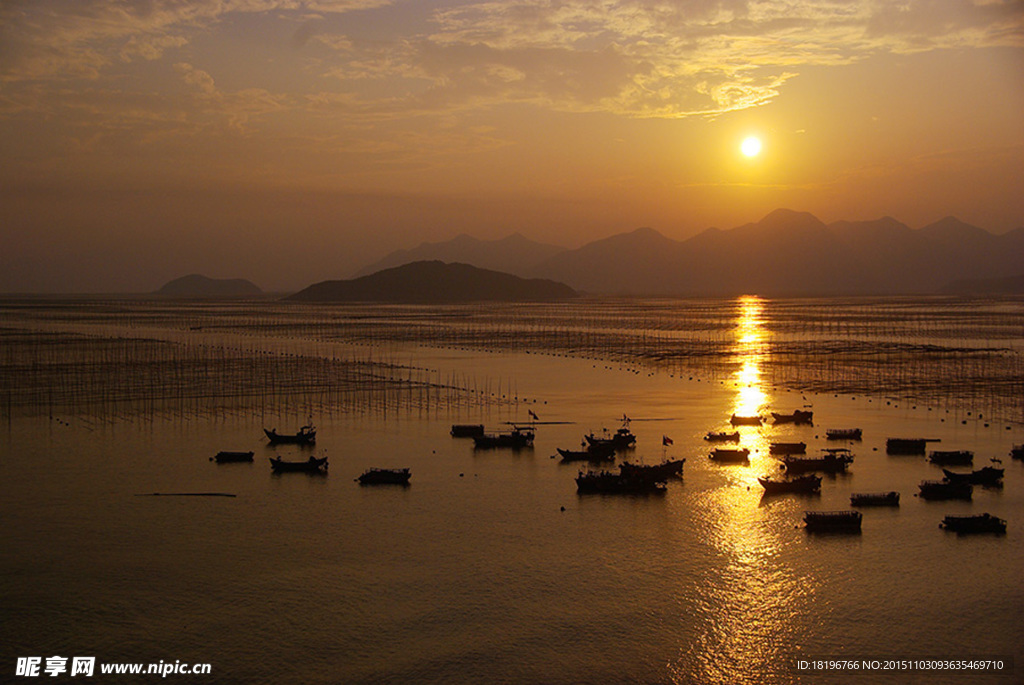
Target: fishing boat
[
  {"x": 375, "y": 476},
  {"x": 943, "y": 490},
  {"x": 663, "y": 471},
  {"x": 608, "y": 482},
  {"x": 467, "y": 430},
  {"x": 988, "y": 475},
  {"x": 831, "y": 461},
  {"x": 808, "y": 483},
  {"x": 832, "y": 520},
  {"x": 305, "y": 436},
  {"x": 875, "y": 499},
  {"x": 730, "y": 456},
  {"x": 591, "y": 453},
  {"x": 231, "y": 457},
  {"x": 622, "y": 439},
  {"x": 952, "y": 458},
  {"x": 311, "y": 465},
  {"x": 517, "y": 438},
  {"x": 723, "y": 436},
  {"x": 843, "y": 434},
  {"x": 737, "y": 420},
  {"x": 982, "y": 523},
  {"x": 787, "y": 448},
  {"x": 907, "y": 445},
  {"x": 798, "y": 416}
]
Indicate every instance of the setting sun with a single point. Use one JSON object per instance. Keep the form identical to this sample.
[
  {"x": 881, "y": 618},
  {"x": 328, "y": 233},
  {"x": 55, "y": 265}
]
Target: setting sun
[{"x": 751, "y": 146}]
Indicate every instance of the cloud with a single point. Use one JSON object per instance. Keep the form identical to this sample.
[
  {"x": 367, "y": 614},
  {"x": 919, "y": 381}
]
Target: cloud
[{"x": 79, "y": 38}]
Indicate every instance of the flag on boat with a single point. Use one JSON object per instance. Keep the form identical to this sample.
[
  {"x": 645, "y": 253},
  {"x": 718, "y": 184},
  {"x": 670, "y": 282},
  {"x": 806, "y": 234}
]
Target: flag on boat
[
  {"x": 532, "y": 415},
  {"x": 665, "y": 440}
]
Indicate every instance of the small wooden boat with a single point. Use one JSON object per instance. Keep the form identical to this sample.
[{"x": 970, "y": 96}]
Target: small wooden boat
[
  {"x": 907, "y": 445},
  {"x": 982, "y": 523},
  {"x": 663, "y": 471},
  {"x": 875, "y": 499},
  {"x": 517, "y": 438},
  {"x": 843, "y": 434},
  {"x": 622, "y": 439},
  {"x": 723, "y": 436},
  {"x": 464, "y": 430},
  {"x": 730, "y": 456},
  {"x": 808, "y": 483},
  {"x": 311, "y": 465},
  {"x": 607, "y": 482},
  {"x": 988, "y": 475},
  {"x": 952, "y": 458},
  {"x": 593, "y": 453},
  {"x": 231, "y": 457},
  {"x": 798, "y": 416},
  {"x": 832, "y": 461},
  {"x": 1017, "y": 452},
  {"x": 305, "y": 436},
  {"x": 848, "y": 521},
  {"x": 787, "y": 448},
  {"x": 375, "y": 476},
  {"x": 943, "y": 490},
  {"x": 737, "y": 420}
]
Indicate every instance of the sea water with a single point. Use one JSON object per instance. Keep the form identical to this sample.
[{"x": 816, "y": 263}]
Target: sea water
[{"x": 490, "y": 567}]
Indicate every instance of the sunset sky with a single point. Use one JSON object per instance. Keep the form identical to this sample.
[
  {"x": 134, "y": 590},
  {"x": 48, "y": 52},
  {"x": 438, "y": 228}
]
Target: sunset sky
[{"x": 289, "y": 141}]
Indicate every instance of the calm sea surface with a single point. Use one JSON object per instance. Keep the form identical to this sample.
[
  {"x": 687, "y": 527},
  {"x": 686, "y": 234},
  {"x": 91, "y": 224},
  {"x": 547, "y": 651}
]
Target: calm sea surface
[{"x": 490, "y": 567}]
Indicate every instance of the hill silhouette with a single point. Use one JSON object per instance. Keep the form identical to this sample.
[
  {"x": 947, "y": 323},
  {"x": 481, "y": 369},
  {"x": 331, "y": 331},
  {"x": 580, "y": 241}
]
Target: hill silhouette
[
  {"x": 514, "y": 254},
  {"x": 434, "y": 282},
  {"x": 196, "y": 286}
]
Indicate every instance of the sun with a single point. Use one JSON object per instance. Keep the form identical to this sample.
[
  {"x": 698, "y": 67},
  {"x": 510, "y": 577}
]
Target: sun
[{"x": 751, "y": 146}]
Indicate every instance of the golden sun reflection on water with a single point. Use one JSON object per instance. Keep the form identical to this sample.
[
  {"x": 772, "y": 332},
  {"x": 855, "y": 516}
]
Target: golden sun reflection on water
[
  {"x": 753, "y": 598},
  {"x": 751, "y": 352}
]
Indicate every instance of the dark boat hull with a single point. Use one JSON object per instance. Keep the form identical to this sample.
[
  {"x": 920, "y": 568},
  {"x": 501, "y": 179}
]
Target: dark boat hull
[
  {"x": 959, "y": 458},
  {"x": 833, "y": 521},
  {"x": 592, "y": 455},
  {"x": 616, "y": 484},
  {"x": 467, "y": 430},
  {"x": 662, "y": 471},
  {"x": 944, "y": 491},
  {"x": 801, "y": 417},
  {"x": 804, "y": 484},
  {"x": 982, "y": 523},
  {"x": 986, "y": 476},
  {"x": 385, "y": 477},
  {"x": 514, "y": 440},
  {"x": 233, "y": 457},
  {"x": 787, "y": 448},
  {"x": 881, "y": 499},
  {"x": 300, "y": 438},
  {"x": 741, "y": 456},
  {"x": 906, "y": 446},
  {"x": 312, "y": 465}
]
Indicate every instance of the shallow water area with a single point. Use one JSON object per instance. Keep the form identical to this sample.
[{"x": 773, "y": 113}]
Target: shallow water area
[{"x": 490, "y": 566}]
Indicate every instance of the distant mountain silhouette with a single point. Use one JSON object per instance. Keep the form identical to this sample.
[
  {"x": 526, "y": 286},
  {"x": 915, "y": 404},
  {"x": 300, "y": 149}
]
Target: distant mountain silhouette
[
  {"x": 195, "y": 286},
  {"x": 1011, "y": 285},
  {"x": 791, "y": 253},
  {"x": 514, "y": 254},
  {"x": 435, "y": 282}
]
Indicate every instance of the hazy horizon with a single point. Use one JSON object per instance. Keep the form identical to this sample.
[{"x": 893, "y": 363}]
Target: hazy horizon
[{"x": 291, "y": 142}]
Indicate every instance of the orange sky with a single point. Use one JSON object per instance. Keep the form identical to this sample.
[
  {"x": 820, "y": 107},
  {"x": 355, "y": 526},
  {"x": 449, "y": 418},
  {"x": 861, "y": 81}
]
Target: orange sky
[{"x": 289, "y": 141}]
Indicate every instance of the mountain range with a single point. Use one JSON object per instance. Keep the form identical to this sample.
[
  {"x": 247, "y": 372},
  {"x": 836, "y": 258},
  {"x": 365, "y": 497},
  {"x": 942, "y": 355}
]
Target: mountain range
[
  {"x": 787, "y": 253},
  {"x": 434, "y": 282},
  {"x": 196, "y": 286}
]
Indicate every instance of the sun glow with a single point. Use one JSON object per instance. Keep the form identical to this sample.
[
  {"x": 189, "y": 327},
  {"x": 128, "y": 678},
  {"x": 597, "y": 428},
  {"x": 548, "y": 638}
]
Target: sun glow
[
  {"x": 751, "y": 341},
  {"x": 751, "y": 146}
]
